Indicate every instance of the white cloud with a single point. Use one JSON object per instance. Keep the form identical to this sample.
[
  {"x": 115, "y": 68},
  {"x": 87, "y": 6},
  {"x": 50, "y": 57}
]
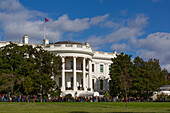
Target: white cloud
[
  {"x": 96, "y": 42},
  {"x": 120, "y": 47},
  {"x": 10, "y": 5},
  {"x": 139, "y": 22},
  {"x": 16, "y": 20},
  {"x": 111, "y": 24},
  {"x": 128, "y": 32},
  {"x": 98, "y": 19},
  {"x": 124, "y": 33},
  {"x": 64, "y": 24},
  {"x": 146, "y": 54},
  {"x": 157, "y": 42},
  {"x": 155, "y": 45}
]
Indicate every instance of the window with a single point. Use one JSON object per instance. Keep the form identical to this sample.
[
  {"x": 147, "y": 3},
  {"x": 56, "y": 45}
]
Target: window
[
  {"x": 60, "y": 82},
  {"x": 72, "y": 82},
  {"x": 93, "y": 83},
  {"x": 101, "y": 84},
  {"x": 109, "y": 68},
  {"x": 81, "y": 66},
  {"x": 92, "y": 67},
  {"x": 101, "y": 68},
  {"x": 71, "y": 63},
  {"x": 82, "y": 82},
  {"x": 110, "y": 84}
]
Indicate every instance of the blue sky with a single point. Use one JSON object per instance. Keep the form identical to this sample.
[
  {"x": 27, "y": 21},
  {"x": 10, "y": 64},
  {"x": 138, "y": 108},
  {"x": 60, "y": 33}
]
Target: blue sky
[{"x": 137, "y": 27}]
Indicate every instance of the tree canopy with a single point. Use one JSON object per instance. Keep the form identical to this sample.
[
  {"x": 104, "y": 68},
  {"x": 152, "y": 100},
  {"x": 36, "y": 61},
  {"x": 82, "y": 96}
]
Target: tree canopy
[
  {"x": 138, "y": 78},
  {"x": 26, "y": 69}
]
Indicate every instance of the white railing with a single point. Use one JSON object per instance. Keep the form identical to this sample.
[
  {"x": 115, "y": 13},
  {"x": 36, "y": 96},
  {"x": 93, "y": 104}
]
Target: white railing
[{"x": 68, "y": 47}]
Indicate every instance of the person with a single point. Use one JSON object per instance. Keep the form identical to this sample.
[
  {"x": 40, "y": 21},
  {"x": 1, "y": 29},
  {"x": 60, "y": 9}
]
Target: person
[
  {"x": 164, "y": 99},
  {"x": 19, "y": 98},
  {"x": 44, "y": 99},
  {"x": 35, "y": 98},
  {"x": 10, "y": 99},
  {"x": 40, "y": 98}
]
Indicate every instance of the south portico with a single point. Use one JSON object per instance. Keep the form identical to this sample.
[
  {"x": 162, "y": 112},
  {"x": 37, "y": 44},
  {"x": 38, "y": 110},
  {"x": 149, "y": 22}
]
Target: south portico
[
  {"x": 76, "y": 74},
  {"x": 82, "y": 68}
]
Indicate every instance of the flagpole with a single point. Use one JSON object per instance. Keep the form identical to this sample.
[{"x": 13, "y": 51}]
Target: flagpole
[
  {"x": 46, "y": 20},
  {"x": 44, "y": 29}
]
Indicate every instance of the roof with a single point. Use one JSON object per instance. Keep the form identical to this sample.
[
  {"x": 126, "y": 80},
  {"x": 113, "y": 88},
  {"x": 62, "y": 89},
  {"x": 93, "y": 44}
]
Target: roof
[
  {"x": 165, "y": 87},
  {"x": 68, "y": 42}
]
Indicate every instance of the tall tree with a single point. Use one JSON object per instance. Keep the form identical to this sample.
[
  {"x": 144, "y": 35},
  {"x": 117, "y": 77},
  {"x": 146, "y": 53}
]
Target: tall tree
[
  {"x": 27, "y": 85},
  {"x": 12, "y": 56},
  {"x": 21, "y": 63},
  {"x": 121, "y": 75},
  {"x": 147, "y": 77},
  {"x": 141, "y": 81}
]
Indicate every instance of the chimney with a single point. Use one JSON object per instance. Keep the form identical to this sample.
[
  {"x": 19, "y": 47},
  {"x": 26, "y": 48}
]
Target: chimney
[
  {"x": 25, "y": 39},
  {"x": 46, "y": 42},
  {"x": 114, "y": 52},
  {"x": 87, "y": 44}
]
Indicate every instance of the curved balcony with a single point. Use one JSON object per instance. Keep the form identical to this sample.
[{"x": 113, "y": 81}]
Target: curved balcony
[
  {"x": 78, "y": 69},
  {"x": 69, "y": 48}
]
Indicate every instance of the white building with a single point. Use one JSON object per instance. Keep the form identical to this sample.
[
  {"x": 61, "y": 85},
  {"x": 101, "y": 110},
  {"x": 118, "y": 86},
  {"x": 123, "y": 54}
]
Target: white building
[{"x": 84, "y": 71}]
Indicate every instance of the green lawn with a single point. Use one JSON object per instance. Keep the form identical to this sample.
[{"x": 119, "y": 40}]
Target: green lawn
[{"x": 86, "y": 107}]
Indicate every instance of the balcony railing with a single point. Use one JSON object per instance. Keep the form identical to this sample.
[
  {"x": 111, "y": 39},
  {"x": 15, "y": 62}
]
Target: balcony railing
[
  {"x": 70, "y": 68},
  {"x": 71, "y": 88},
  {"x": 79, "y": 68}
]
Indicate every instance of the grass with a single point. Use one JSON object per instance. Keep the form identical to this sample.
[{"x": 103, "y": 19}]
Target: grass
[{"x": 86, "y": 107}]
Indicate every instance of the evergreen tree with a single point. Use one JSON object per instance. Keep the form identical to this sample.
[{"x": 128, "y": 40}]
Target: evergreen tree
[
  {"x": 20, "y": 64},
  {"x": 121, "y": 75}
]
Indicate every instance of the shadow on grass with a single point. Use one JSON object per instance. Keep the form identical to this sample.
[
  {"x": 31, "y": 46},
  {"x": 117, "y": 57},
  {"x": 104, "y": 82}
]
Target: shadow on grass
[
  {"x": 97, "y": 112},
  {"x": 79, "y": 112}
]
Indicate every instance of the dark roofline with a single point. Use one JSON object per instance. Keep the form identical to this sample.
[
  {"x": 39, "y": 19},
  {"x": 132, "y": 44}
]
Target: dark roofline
[{"x": 68, "y": 42}]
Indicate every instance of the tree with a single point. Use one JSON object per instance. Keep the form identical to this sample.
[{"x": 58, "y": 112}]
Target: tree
[
  {"x": 147, "y": 77},
  {"x": 156, "y": 75},
  {"x": 48, "y": 66},
  {"x": 20, "y": 64},
  {"x": 141, "y": 82},
  {"x": 121, "y": 75},
  {"x": 27, "y": 85},
  {"x": 12, "y": 57}
]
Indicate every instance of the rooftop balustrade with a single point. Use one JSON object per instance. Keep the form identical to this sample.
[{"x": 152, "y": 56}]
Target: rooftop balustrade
[{"x": 68, "y": 47}]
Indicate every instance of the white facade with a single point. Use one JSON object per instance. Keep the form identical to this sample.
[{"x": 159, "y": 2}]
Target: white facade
[{"x": 83, "y": 71}]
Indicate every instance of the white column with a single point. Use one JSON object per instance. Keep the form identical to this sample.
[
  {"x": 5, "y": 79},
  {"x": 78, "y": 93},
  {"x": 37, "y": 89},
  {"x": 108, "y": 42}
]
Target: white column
[
  {"x": 95, "y": 68},
  {"x": 74, "y": 74},
  {"x": 97, "y": 73},
  {"x": 63, "y": 74},
  {"x": 90, "y": 75},
  {"x": 104, "y": 69},
  {"x": 84, "y": 74},
  {"x": 107, "y": 69}
]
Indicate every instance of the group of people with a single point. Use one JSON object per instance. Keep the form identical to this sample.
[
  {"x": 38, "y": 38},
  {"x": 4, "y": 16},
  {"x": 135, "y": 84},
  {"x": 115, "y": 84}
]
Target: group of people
[
  {"x": 81, "y": 99},
  {"x": 35, "y": 98},
  {"x": 13, "y": 98}
]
